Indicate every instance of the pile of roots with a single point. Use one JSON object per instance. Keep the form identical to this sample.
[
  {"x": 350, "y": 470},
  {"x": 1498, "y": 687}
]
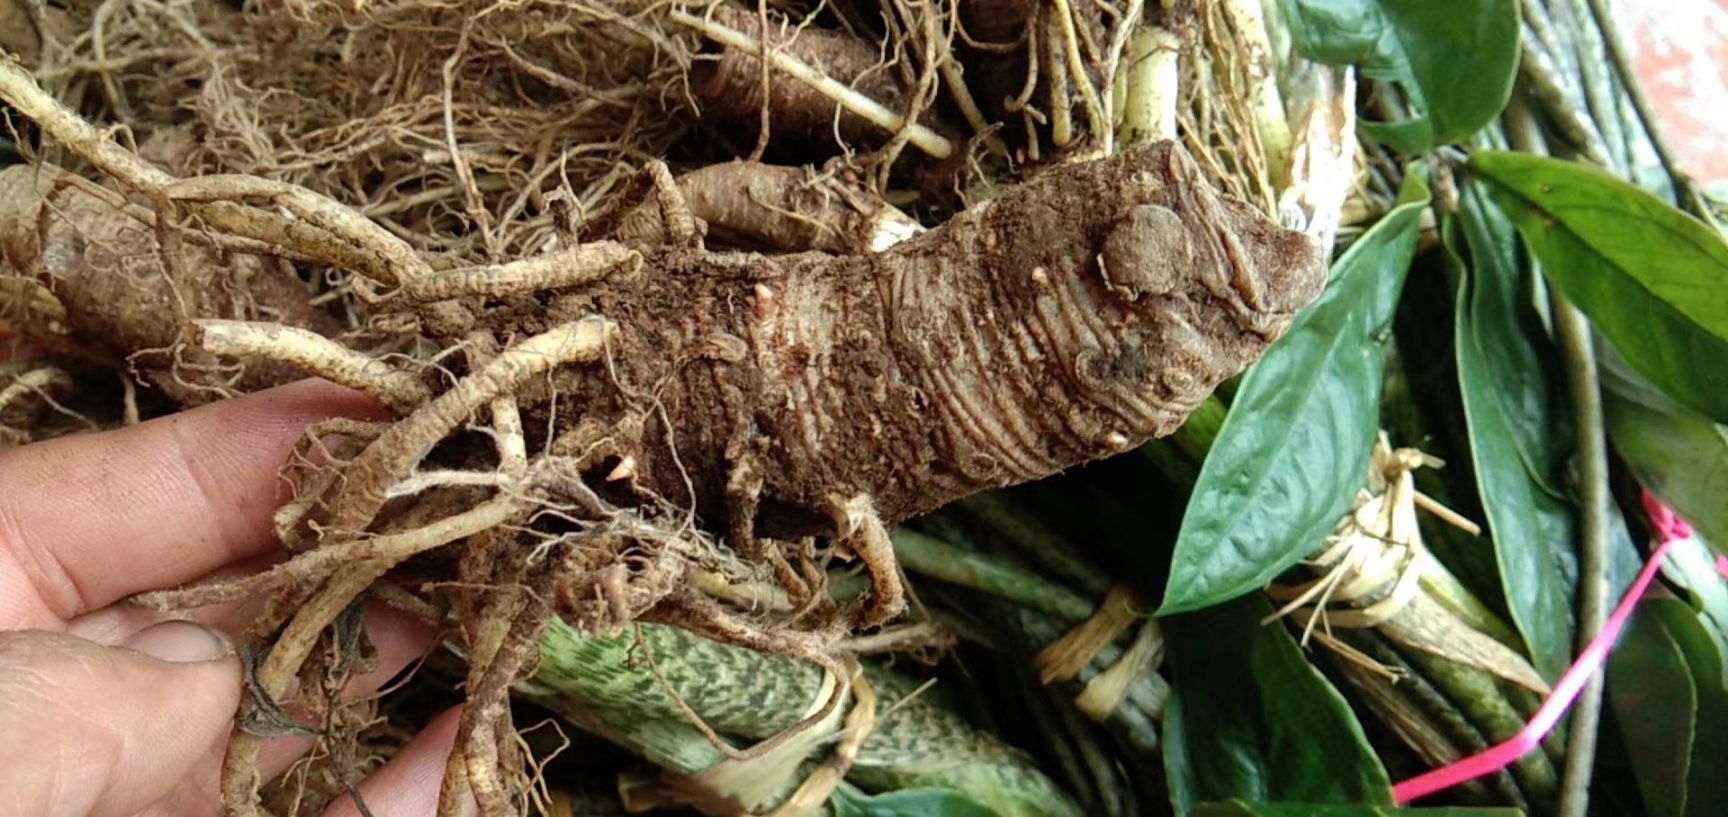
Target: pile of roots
[{"x": 662, "y": 297}]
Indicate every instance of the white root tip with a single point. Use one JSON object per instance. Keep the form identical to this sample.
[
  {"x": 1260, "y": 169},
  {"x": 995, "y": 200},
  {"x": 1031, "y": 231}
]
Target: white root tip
[
  {"x": 625, "y": 469},
  {"x": 1323, "y": 159}
]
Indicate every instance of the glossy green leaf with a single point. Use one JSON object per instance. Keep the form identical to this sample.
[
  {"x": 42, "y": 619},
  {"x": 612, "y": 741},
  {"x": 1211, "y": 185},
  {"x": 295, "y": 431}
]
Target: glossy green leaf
[
  {"x": 1250, "y": 718},
  {"x": 1294, "y": 448},
  {"x": 1706, "y": 782},
  {"x": 910, "y": 803},
  {"x": 1657, "y": 709},
  {"x": 1653, "y": 280},
  {"x": 1665, "y": 682},
  {"x": 1237, "y": 808},
  {"x": 1681, "y": 457},
  {"x": 1455, "y": 60},
  {"x": 1512, "y": 420},
  {"x": 1691, "y": 564}
]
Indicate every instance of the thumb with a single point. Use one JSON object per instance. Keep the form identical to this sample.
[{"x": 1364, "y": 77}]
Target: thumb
[{"x": 100, "y": 731}]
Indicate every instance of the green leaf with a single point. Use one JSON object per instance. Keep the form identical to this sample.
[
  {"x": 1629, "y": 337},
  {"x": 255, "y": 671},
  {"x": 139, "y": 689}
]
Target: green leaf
[
  {"x": 1455, "y": 60},
  {"x": 1692, "y": 565},
  {"x": 1512, "y": 422},
  {"x": 1237, "y": 808},
  {"x": 910, "y": 803},
  {"x": 1665, "y": 682},
  {"x": 1294, "y": 447},
  {"x": 1657, "y": 708},
  {"x": 1652, "y": 279},
  {"x": 1681, "y": 457},
  {"x": 1706, "y": 785},
  {"x": 1250, "y": 718}
]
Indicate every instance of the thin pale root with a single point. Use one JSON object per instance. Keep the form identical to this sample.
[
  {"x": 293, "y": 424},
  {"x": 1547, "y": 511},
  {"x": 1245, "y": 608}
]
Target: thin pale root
[
  {"x": 399, "y": 449},
  {"x": 861, "y": 530},
  {"x": 575, "y": 266},
  {"x": 327, "y": 560},
  {"x": 313, "y": 353}
]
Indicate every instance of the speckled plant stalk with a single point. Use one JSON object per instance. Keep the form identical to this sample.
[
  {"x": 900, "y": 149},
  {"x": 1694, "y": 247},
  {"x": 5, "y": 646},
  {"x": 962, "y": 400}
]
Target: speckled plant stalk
[{"x": 918, "y": 740}]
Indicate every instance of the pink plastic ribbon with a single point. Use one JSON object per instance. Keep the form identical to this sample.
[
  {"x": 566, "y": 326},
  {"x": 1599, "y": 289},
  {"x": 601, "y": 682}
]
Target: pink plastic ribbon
[
  {"x": 1669, "y": 526},
  {"x": 1670, "y": 529}
]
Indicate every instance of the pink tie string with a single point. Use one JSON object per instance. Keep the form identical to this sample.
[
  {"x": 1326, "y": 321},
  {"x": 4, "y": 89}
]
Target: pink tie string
[{"x": 1670, "y": 528}]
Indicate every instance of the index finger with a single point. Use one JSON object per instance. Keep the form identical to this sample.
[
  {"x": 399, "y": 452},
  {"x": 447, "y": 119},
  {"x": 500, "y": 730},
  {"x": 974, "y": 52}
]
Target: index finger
[{"x": 90, "y": 519}]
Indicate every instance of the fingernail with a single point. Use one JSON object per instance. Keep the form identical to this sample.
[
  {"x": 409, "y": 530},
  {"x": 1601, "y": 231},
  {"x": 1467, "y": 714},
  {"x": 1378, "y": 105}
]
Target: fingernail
[{"x": 181, "y": 642}]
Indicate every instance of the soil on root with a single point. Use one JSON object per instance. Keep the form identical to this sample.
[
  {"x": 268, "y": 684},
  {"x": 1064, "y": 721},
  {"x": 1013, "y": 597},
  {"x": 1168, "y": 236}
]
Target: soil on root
[
  {"x": 1067, "y": 320},
  {"x": 593, "y": 422}
]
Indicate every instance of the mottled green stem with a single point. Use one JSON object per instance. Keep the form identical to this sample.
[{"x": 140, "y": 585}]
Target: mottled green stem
[
  {"x": 937, "y": 559},
  {"x": 1477, "y": 694},
  {"x": 1422, "y": 714},
  {"x": 1029, "y": 536}
]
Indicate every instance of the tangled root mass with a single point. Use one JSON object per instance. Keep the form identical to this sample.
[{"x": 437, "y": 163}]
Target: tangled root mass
[{"x": 607, "y": 378}]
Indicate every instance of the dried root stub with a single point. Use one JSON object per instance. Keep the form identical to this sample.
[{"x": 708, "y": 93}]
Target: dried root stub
[{"x": 1375, "y": 572}]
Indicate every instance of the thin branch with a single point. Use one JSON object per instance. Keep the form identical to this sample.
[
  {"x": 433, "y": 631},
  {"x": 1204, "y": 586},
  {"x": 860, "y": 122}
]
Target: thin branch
[
  {"x": 1579, "y": 357},
  {"x": 1597, "y": 84}
]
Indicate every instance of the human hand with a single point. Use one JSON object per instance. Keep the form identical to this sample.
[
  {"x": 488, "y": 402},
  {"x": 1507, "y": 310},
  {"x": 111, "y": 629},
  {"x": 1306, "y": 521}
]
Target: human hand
[{"x": 111, "y": 710}]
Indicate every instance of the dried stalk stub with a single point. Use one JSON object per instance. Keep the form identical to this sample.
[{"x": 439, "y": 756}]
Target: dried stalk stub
[
  {"x": 1066, "y": 320},
  {"x": 86, "y": 273}
]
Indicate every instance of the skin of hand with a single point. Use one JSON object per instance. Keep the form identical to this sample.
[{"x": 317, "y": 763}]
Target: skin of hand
[{"x": 107, "y": 710}]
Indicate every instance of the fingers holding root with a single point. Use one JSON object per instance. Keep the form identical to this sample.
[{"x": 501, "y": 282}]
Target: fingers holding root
[{"x": 349, "y": 562}]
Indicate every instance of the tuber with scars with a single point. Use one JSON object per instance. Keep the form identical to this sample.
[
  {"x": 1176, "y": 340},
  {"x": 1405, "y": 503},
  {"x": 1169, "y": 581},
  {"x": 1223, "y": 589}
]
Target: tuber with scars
[
  {"x": 640, "y": 376},
  {"x": 626, "y": 398},
  {"x": 1063, "y": 321}
]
